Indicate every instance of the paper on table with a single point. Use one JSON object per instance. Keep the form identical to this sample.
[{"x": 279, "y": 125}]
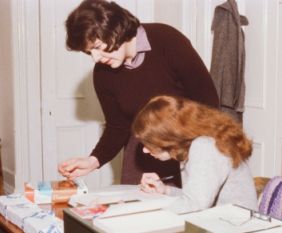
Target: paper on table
[
  {"x": 229, "y": 218},
  {"x": 10, "y": 200},
  {"x": 18, "y": 213},
  {"x": 43, "y": 222},
  {"x": 159, "y": 221},
  {"x": 113, "y": 194},
  {"x": 136, "y": 207}
]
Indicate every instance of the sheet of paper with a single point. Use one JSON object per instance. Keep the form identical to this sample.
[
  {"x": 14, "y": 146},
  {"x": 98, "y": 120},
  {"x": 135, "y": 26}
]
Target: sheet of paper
[
  {"x": 113, "y": 194},
  {"x": 149, "y": 222},
  {"x": 231, "y": 219},
  {"x": 137, "y": 207}
]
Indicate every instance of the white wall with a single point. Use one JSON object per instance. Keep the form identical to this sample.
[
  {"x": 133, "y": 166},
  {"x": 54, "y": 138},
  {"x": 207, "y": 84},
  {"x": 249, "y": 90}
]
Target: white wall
[{"x": 7, "y": 109}]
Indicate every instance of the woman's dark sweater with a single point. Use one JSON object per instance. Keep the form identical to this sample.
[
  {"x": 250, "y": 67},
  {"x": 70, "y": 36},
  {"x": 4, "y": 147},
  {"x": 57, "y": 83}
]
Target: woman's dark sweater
[{"x": 172, "y": 67}]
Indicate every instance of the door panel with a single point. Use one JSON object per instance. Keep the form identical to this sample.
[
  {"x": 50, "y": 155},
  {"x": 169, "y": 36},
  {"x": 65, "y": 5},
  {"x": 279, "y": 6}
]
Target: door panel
[
  {"x": 71, "y": 114},
  {"x": 262, "y": 116}
]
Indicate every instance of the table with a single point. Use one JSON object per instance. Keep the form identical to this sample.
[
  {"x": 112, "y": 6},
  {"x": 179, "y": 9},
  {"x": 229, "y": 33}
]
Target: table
[{"x": 9, "y": 227}]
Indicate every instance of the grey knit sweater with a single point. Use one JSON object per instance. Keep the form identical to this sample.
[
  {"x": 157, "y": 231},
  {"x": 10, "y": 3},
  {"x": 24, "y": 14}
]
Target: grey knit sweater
[{"x": 209, "y": 179}]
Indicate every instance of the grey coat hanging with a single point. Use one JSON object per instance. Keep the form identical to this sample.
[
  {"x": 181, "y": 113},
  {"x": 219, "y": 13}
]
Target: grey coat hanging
[{"x": 228, "y": 58}]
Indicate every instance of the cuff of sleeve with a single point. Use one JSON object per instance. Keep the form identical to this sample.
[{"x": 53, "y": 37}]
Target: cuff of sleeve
[{"x": 97, "y": 160}]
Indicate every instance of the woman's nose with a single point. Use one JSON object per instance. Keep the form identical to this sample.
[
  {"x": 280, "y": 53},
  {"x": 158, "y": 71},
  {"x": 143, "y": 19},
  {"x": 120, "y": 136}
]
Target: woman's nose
[
  {"x": 96, "y": 55},
  {"x": 145, "y": 150}
]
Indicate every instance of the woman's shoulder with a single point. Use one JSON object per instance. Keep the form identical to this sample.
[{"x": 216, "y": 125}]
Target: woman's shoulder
[
  {"x": 158, "y": 26},
  {"x": 205, "y": 145},
  {"x": 162, "y": 31}
]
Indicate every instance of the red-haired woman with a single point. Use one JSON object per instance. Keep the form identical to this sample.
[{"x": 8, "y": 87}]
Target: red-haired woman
[{"x": 212, "y": 148}]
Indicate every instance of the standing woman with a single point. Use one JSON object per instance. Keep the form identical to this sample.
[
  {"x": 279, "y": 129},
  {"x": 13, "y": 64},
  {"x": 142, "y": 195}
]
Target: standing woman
[
  {"x": 211, "y": 147},
  {"x": 133, "y": 62}
]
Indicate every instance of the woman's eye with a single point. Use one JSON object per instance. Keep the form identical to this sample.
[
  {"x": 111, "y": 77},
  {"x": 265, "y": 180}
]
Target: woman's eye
[{"x": 98, "y": 47}]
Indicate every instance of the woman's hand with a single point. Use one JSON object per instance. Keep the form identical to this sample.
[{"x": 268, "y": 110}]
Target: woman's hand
[
  {"x": 151, "y": 183},
  {"x": 76, "y": 167}
]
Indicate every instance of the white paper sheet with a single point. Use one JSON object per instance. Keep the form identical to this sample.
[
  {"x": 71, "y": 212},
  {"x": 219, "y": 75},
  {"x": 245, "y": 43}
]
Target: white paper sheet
[
  {"x": 113, "y": 194},
  {"x": 137, "y": 207},
  {"x": 159, "y": 221}
]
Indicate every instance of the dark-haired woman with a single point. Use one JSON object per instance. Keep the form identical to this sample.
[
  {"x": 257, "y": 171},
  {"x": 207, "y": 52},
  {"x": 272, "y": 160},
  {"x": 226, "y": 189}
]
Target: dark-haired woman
[
  {"x": 211, "y": 147},
  {"x": 133, "y": 62}
]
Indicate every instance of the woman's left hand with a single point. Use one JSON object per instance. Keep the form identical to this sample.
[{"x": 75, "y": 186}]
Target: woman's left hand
[{"x": 151, "y": 183}]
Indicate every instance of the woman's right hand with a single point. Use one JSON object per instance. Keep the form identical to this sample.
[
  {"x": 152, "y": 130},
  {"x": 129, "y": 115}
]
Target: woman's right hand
[
  {"x": 151, "y": 183},
  {"x": 75, "y": 167}
]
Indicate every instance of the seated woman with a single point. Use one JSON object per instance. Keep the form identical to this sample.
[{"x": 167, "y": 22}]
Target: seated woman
[{"x": 212, "y": 148}]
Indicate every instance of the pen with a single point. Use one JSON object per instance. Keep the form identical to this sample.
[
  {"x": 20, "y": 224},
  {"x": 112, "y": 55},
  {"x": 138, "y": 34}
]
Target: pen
[{"x": 165, "y": 178}]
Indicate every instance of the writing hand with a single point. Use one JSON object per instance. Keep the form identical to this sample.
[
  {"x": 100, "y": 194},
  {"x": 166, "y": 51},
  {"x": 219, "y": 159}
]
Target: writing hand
[
  {"x": 151, "y": 183},
  {"x": 75, "y": 167}
]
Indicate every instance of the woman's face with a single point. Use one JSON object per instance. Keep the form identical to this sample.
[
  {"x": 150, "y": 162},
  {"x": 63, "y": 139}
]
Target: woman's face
[
  {"x": 114, "y": 59},
  {"x": 163, "y": 155}
]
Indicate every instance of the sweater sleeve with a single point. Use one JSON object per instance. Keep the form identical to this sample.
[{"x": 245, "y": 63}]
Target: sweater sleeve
[
  {"x": 190, "y": 70},
  {"x": 206, "y": 172},
  {"x": 117, "y": 127}
]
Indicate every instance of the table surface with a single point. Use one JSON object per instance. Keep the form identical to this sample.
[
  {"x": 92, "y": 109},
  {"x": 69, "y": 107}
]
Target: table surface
[{"x": 9, "y": 227}]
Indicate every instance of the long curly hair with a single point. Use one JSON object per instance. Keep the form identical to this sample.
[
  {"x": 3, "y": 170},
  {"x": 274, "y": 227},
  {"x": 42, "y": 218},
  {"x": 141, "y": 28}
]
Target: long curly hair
[{"x": 168, "y": 123}]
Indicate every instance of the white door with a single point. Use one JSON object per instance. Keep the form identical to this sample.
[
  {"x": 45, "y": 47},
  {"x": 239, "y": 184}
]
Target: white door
[
  {"x": 71, "y": 115},
  {"x": 263, "y": 98},
  {"x": 262, "y": 116},
  {"x": 279, "y": 97}
]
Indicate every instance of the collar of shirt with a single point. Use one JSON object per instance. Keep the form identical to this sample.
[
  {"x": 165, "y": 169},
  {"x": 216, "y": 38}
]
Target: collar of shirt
[{"x": 142, "y": 46}]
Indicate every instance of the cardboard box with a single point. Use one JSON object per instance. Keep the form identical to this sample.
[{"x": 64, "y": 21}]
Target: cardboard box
[{"x": 45, "y": 192}]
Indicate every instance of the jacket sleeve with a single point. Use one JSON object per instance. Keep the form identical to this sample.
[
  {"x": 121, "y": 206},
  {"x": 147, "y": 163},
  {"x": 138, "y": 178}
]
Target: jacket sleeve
[
  {"x": 190, "y": 70},
  {"x": 117, "y": 127}
]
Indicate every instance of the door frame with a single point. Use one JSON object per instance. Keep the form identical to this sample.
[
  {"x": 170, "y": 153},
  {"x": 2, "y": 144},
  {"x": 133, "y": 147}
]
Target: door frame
[{"x": 27, "y": 95}]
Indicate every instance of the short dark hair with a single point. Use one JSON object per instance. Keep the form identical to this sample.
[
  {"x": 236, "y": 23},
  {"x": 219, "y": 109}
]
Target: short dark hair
[{"x": 99, "y": 19}]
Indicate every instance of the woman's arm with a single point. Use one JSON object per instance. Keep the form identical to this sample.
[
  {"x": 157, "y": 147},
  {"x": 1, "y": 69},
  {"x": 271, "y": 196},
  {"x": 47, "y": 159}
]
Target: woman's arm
[
  {"x": 117, "y": 127},
  {"x": 206, "y": 171}
]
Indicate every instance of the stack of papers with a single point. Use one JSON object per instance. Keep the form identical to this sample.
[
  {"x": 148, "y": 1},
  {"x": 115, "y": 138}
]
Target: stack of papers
[
  {"x": 129, "y": 210},
  {"x": 161, "y": 221},
  {"x": 28, "y": 216},
  {"x": 11, "y": 200},
  {"x": 43, "y": 222},
  {"x": 138, "y": 217},
  {"x": 232, "y": 219},
  {"x": 136, "y": 207},
  {"x": 18, "y": 213}
]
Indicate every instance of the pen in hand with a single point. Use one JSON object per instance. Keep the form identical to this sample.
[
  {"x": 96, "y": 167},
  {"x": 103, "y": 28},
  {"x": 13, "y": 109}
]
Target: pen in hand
[
  {"x": 165, "y": 178},
  {"x": 153, "y": 183}
]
